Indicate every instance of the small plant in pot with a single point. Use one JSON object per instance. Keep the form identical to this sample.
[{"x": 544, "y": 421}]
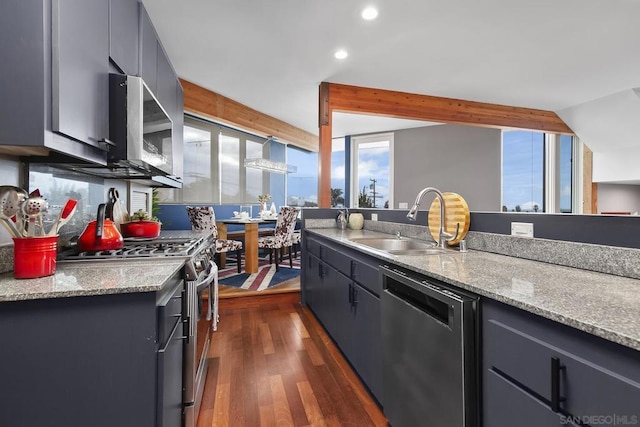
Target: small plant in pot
[{"x": 142, "y": 225}]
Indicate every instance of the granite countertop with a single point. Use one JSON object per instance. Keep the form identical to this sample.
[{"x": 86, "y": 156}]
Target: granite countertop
[
  {"x": 73, "y": 279},
  {"x": 601, "y": 304}
]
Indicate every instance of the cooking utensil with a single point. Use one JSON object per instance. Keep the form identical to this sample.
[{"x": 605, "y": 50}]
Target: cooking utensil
[
  {"x": 10, "y": 199},
  {"x": 100, "y": 235},
  {"x": 115, "y": 209},
  {"x": 65, "y": 215},
  {"x": 34, "y": 208},
  {"x": 456, "y": 212}
]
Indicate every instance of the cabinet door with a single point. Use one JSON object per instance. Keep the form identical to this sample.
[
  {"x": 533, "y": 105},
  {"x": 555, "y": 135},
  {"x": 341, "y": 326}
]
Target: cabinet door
[
  {"x": 337, "y": 305},
  {"x": 169, "y": 410},
  {"x": 80, "y": 69},
  {"x": 22, "y": 75},
  {"x": 123, "y": 35},
  {"x": 367, "y": 339},
  {"x": 178, "y": 133},
  {"x": 312, "y": 283},
  {"x": 166, "y": 83},
  {"x": 510, "y": 406},
  {"x": 148, "y": 51}
]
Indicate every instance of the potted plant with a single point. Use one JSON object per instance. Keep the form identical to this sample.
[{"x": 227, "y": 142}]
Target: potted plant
[
  {"x": 263, "y": 199},
  {"x": 142, "y": 225}
]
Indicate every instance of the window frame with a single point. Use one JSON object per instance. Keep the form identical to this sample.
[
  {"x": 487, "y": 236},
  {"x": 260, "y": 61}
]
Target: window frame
[
  {"x": 551, "y": 172},
  {"x": 355, "y": 142}
]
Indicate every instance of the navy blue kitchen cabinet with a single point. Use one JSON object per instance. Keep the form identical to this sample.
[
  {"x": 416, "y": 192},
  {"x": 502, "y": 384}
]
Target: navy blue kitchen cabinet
[
  {"x": 337, "y": 285},
  {"x": 103, "y": 361},
  {"x": 538, "y": 372},
  {"x": 178, "y": 135},
  {"x": 80, "y": 69},
  {"x": 46, "y": 86},
  {"x": 148, "y": 51},
  {"x": 123, "y": 35},
  {"x": 160, "y": 77},
  {"x": 55, "y": 94}
]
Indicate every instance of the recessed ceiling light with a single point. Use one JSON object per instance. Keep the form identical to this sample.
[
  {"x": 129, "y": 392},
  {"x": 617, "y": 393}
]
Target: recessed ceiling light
[
  {"x": 369, "y": 13},
  {"x": 341, "y": 54}
]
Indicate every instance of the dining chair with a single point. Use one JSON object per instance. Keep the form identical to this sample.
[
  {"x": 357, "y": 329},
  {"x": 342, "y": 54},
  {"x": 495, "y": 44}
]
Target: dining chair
[
  {"x": 282, "y": 236},
  {"x": 203, "y": 218},
  {"x": 296, "y": 242}
]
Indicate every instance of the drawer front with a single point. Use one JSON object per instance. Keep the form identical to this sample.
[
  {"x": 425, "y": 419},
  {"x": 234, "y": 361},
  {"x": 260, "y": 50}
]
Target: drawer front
[
  {"x": 366, "y": 272},
  {"x": 518, "y": 356},
  {"x": 593, "y": 377},
  {"x": 360, "y": 268},
  {"x": 338, "y": 258},
  {"x": 593, "y": 390},
  {"x": 312, "y": 245},
  {"x": 507, "y": 405},
  {"x": 168, "y": 313}
]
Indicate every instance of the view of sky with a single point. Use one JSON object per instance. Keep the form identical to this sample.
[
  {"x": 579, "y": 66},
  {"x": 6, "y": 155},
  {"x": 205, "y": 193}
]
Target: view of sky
[{"x": 523, "y": 171}]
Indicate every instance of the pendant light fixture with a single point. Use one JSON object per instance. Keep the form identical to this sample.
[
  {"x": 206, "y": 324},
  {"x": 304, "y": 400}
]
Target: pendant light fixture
[{"x": 269, "y": 165}]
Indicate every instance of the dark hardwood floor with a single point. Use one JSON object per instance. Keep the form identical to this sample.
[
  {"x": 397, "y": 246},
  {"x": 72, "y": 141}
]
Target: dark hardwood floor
[{"x": 271, "y": 363}]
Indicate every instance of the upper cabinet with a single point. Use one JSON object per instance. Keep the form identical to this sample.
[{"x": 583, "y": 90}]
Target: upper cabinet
[
  {"x": 55, "y": 93},
  {"x": 80, "y": 70},
  {"x": 124, "y": 16},
  {"x": 148, "y": 51}
]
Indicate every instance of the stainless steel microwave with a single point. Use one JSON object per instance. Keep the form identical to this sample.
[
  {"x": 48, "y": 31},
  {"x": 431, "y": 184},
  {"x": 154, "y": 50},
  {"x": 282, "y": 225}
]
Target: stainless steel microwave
[{"x": 139, "y": 128}]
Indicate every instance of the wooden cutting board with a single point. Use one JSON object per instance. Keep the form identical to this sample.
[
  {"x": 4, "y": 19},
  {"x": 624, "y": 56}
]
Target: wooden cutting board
[{"x": 456, "y": 211}]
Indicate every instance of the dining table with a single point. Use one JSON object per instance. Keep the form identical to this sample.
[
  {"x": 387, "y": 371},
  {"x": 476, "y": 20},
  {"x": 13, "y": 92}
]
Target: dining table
[{"x": 251, "y": 235}]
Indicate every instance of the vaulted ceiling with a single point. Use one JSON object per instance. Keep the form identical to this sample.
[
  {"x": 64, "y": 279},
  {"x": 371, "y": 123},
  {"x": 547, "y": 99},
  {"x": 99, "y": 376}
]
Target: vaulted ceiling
[{"x": 272, "y": 55}]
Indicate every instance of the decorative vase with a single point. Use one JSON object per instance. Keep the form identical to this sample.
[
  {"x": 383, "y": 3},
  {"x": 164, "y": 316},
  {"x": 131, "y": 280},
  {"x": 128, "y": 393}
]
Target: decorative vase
[
  {"x": 263, "y": 207},
  {"x": 356, "y": 221}
]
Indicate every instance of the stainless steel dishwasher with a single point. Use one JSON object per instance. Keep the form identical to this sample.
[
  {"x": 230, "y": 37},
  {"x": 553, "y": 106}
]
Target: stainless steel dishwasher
[{"x": 430, "y": 336}]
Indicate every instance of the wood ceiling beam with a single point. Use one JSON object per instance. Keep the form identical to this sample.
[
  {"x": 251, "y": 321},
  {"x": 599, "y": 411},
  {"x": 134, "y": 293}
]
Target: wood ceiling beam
[
  {"x": 388, "y": 103},
  {"x": 354, "y": 99},
  {"x": 206, "y": 103}
]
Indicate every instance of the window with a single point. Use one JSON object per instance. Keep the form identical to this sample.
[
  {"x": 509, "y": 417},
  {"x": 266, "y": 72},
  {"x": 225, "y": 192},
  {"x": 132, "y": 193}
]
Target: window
[
  {"x": 229, "y": 159},
  {"x": 522, "y": 171},
  {"x": 253, "y": 186},
  {"x": 372, "y": 172},
  {"x": 214, "y": 169},
  {"x": 566, "y": 173},
  {"x": 302, "y": 186},
  {"x": 537, "y": 172}
]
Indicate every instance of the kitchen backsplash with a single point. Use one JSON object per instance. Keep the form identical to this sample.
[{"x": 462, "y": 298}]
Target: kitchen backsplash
[{"x": 614, "y": 260}]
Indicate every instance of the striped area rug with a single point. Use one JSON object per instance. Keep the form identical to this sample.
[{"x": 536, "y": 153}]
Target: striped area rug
[{"x": 265, "y": 278}]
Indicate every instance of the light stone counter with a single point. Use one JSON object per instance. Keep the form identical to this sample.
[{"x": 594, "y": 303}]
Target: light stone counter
[
  {"x": 73, "y": 279},
  {"x": 601, "y": 304}
]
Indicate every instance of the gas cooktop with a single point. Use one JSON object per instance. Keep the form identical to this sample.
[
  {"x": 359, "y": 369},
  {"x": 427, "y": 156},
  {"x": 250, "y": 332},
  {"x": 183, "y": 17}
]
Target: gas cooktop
[{"x": 172, "y": 243}]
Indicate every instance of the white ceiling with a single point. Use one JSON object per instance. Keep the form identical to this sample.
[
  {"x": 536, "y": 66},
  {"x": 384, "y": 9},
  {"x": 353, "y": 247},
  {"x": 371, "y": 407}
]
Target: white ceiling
[{"x": 272, "y": 55}]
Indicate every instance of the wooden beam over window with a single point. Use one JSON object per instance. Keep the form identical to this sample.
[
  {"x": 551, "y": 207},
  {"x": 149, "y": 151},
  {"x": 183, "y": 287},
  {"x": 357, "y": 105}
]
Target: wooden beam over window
[
  {"x": 206, "y": 103},
  {"x": 362, "y": 100}
]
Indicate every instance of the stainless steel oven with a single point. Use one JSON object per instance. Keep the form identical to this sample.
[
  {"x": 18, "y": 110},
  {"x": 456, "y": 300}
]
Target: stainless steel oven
[{"x": 200, "y": 278}]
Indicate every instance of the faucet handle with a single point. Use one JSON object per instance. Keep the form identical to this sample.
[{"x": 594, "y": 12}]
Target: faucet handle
[{"x": 448, "y": 236}]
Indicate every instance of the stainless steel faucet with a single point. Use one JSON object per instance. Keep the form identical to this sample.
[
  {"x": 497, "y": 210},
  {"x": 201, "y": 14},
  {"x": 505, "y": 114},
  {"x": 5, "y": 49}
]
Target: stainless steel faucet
[{"x": 443, "y": 236}]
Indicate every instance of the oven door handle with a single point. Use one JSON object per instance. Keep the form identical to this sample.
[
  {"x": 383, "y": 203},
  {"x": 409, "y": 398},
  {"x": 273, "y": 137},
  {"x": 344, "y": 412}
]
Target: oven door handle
[
  {"x": 212, "y": 306},
  {"x": 213, "y": 271}
]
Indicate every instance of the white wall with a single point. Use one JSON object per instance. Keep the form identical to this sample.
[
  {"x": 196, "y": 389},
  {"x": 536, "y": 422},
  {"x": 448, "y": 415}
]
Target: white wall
[
  {"x": 618, "y": 198},
  {"x": 617, "y": 166}
]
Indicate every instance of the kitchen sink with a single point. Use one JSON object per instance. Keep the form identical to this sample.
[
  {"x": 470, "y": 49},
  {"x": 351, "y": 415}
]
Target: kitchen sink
[
  {"x": 417, "y": 252},
  {"x": 402, "y": 246}
]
